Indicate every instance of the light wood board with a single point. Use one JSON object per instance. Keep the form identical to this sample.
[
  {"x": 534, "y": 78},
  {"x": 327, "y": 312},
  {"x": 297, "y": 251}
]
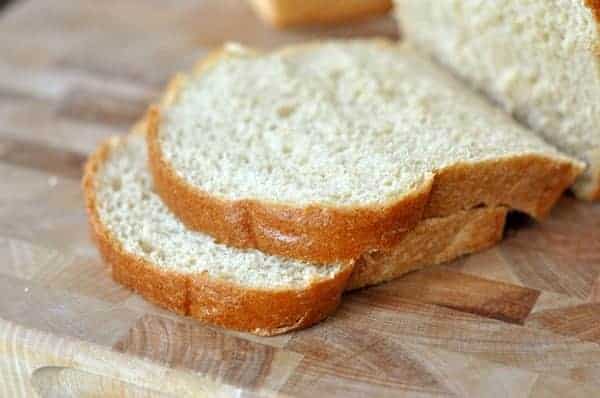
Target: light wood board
[{"x": 519, "y": 320}]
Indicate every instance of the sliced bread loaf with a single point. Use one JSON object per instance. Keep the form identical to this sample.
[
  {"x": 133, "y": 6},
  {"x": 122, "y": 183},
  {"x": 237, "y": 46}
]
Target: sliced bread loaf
[
  {"x": 324, "y": 152},
  {"x": 539, "y": 59},
  {"x": 189, "y": 273},
  {"x": 284, "y": 13}
]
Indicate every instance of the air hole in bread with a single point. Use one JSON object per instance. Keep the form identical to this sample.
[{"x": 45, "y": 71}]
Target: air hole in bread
[
  {"x": 285, "y": 111},
  {"x": 116, "y": 184},
  {"x": 146, "y": 246}
]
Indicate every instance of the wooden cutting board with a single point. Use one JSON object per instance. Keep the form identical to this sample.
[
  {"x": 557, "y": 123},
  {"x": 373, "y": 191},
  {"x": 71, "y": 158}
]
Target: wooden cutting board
[{"x": 519, "y": 320}]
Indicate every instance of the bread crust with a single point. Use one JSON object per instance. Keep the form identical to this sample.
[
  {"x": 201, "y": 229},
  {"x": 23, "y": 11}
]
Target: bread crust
[
  {"x": 287, "y": 13},
  {"x": 432, "y": 241},
  {"x": 529, "y": 183},
  {"x": 208, "y": 299},
  {"x": 321, "y": 234},
  {"x": 594, "y": 6}
]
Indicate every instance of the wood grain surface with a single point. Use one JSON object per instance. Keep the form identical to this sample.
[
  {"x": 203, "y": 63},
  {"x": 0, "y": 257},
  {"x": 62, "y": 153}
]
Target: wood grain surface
[{"x": 519, "y": 320}]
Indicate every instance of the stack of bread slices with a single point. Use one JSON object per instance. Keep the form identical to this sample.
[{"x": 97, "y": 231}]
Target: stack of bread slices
[{"x": 264, "y": 185}]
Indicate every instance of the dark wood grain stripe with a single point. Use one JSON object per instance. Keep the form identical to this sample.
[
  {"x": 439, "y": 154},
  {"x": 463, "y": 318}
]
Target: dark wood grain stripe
[
  {"x": 36, "y": 156},
  {"x": 466, "y": 293}
]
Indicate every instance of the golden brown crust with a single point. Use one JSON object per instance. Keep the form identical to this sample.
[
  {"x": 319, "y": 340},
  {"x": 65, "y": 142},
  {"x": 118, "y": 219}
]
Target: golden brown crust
[
  {"x": 263, "y": 312},
  {"x": 529, "y": 183},
  {"x": 594, "y": 192},
  {"x": 325, "y": 234},
  {"x": 287, "y": 13},
  {"x": 594, "y": 6},
  {"x": 433, "y": 241}
]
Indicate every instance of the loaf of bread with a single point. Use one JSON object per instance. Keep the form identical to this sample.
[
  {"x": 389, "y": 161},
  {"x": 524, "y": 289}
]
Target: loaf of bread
[
  {"x": 283, "y": 13},
  {"x": 189, "y": 273},
  {"x": 324, "y": 152},
  {"x": 539, "y": 59}
]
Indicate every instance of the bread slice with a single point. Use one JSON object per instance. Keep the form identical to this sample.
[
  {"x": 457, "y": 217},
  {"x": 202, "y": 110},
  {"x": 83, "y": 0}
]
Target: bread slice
[
  {"x": 151, "y": 252},
  {"x": 324, "y": 152},
  {"x": 284, "y": 13},
  {"x": 539, "y": 59},
  {"x": 187, "y": 272}
]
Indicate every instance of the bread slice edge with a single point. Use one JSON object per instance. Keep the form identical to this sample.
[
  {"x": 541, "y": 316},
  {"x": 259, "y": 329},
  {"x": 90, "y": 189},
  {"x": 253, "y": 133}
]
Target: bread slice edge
[{"x": 433, "y": 241}]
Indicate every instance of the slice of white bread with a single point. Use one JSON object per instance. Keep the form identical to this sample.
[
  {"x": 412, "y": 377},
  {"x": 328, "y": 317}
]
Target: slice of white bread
[
  {"x": 151, "y": 252},
  {"x": 324, "y": 152},
  {"x": 284, "y": 13},
  {"x": 187, "y": 272},
  {"x": 539, "y": 59}
]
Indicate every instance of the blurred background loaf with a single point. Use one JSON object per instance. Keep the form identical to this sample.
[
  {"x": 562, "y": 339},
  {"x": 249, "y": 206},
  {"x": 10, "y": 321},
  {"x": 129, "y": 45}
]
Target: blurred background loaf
[{"x": 285, "y": 13}]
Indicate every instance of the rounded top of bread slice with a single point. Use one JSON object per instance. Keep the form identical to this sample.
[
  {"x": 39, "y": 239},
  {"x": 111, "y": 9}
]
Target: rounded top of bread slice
[
  {"x": 338, "y": 124},
  {"x": 329, "y": 150},
  {"x": 153, "y": 252}
]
